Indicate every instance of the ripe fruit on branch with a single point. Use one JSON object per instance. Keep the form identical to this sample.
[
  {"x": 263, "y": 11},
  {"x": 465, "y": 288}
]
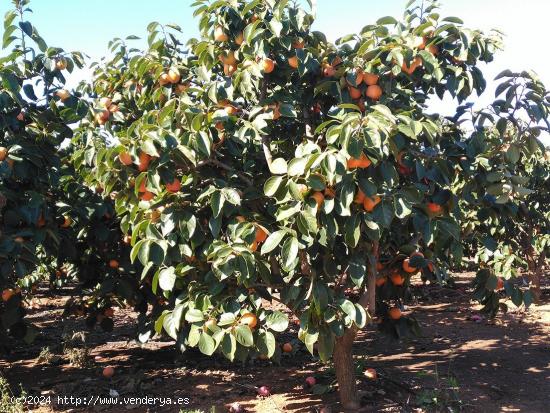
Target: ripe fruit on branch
[
  {"x": 354, "y": 92},
  {"x": 267, "y": 65},
  {"x": 125, "y": 158},
  {"x": 144, "y": 160},
  {"x": 102, "y": 117},
  {"x": 239, "y": 39},
  {"x": 330, "y": 193},
  {"x": 3, "y": 153},
  {"x": 420, "y": 43},
  {"x": 249, "y": 319},
  {"x": 370, "y": 79},
  {"x": 174, "y": 186},
  {"x": 359, "y": 197},
  {"x": 433, "y": 49},
  {"x": 276, "y": 110},
  {"x": 298, "y": 44},
  {"x": 417, "y": 62},
  {"x": 219, "y": 34},
  {"x": 287, "y": 347},
  {"x": 374, "y": 92},
  {"x": 228, "y": 58},
  {"x": 434, "y": 208},
  {"x": 113, "y": 263},
  {"x": 105, "y": 102},
  {"x": 363, "y": 162},
  {"x": 328, "y": 70},
  {"x": 500, "y": 283},
  {"x": 164, "y": 79},
  {"x": 210, "y": 323},
  {"x": 293, "y": 62},
  {"x": 394, "y": 313},
  {"x": 397, "y": 279},
  {"x": 261, "y": 235},
  {"x": 181, "y": 88},
  {"x": 143, "y": 185},
  {"x": 380, "y": 281},
  {"x": 7, "y": 294},
  {"x": 67, "y": 221},
  {"x": 127, "y": 239},
  {"x": 63, "y": 94},
  {"x": 61, "y": 63},
  {"x": 174, "y": 75},
  {"x": 228, "y": 70},
  {"x": 370, "y": 203},
  {"x": 319, "y": 198},
  {"x": 406, "y": 263}
]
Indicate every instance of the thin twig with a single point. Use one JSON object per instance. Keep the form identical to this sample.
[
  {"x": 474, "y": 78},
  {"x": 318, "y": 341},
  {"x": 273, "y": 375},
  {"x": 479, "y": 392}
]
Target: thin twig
[{"x": 222, "y": 165}]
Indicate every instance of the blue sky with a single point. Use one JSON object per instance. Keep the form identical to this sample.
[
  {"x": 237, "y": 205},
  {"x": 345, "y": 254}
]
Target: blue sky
[{"x": 88, "y": 25}]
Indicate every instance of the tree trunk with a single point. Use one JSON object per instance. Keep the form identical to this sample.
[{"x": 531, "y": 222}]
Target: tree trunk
[
  {"x": 372, "y": 273},
  {"x": 345, "y": 371},
  {"x": 536, "y": 275}
]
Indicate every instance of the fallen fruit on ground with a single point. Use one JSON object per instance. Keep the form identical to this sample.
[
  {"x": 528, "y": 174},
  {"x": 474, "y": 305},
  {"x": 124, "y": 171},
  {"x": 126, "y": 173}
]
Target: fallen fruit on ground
[
  {"x": 371, "y": 374},
  {"x": 108, "y": 372},
  {"x": 264, "y": 391},
  {"x": 310, "y": 381},
  {"x": 394, "y": 313}
]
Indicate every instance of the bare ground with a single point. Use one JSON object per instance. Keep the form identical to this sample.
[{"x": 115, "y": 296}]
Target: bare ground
[{"x": 467, "y": 363}]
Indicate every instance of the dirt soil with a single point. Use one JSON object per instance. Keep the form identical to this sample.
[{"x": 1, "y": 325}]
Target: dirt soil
[{"x": 462, "y": 361}]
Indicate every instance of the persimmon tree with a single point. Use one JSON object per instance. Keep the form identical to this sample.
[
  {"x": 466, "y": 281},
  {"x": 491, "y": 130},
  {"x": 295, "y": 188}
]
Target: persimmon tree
[
  {"x": 52, "y": 226},
  {"x": 505, "y": 187},
  {"x": 262, "y": 162},
  {"x": 35, "y": 114}
]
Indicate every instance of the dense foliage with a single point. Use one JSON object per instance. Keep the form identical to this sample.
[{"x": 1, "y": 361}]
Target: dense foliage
[{"x": 261, "y": 162}]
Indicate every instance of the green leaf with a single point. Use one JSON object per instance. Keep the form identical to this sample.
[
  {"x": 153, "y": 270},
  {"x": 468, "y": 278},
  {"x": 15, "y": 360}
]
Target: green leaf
[
  {"x": 194, "y": 315},
  {"x": 207, "y": 345},
  {"x": 167, "y": 278},
  {"x": 326, "y": 343},
  {"x": 386, "y": 20},
  {"x": 231, "y": 196},
  {"x": 243, "y": 335},
  {"x": 229, "y": 346},
  {"x": 277, "y": 321},
  {"x": 289, "y": 252},
  {"x": 216, "y": 202},
  {"x": 272, "y": 185},
  {"x": 266, "y": 343},
  {"x": 278, "y": 166},
  {"x": 149, "y": 147},
  {"x": 226, "y": 319},
  {"x": 452, "y": 19},
  {"x": 273, "y": 241}
]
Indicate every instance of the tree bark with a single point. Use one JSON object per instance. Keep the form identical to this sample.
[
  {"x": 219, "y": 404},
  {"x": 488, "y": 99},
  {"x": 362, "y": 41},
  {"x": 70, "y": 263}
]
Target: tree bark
[
  {"x": 345, "y": 371},
  {"x": 536, "y": 275},
  {"x": 372, "y": 273}
]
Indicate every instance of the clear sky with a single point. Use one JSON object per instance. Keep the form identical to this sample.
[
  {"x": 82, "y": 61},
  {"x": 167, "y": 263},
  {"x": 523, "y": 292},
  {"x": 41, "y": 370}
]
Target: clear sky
[{"x": 87, "y": 25}]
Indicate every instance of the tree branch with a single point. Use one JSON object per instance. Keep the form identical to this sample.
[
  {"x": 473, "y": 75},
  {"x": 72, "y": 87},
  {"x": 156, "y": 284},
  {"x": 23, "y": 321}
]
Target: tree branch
[
  {"x": 266, "y": 141},
  {"x": 220, "y": 164}
]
